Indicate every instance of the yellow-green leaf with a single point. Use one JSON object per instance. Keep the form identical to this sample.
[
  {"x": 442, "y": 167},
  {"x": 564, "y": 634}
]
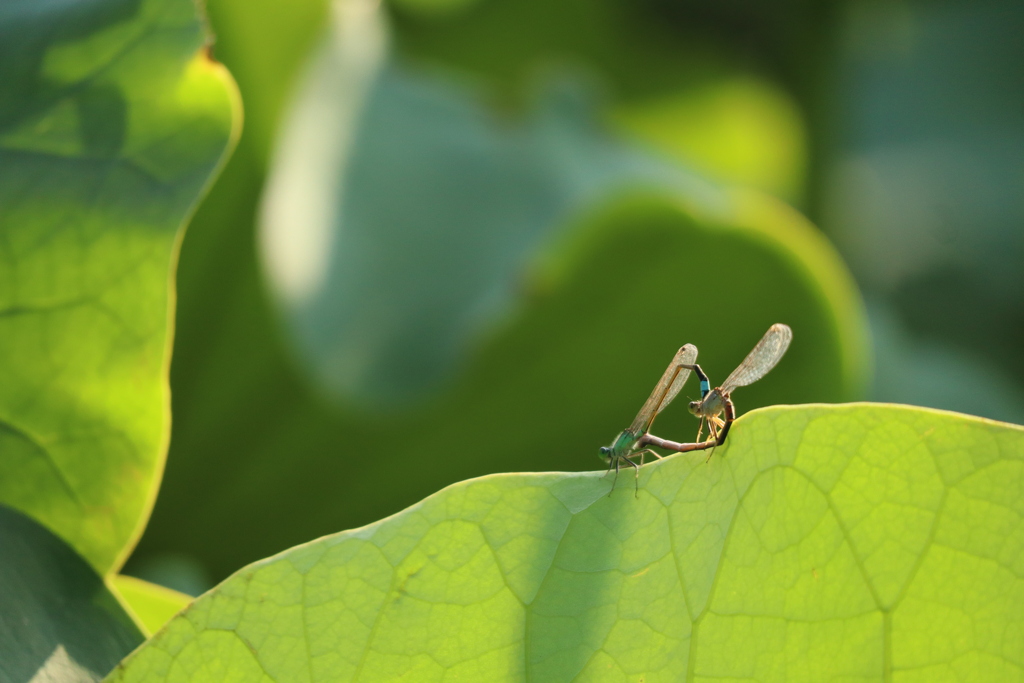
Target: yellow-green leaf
[
  {"x": 857, "y": 542},
  {"x": 153, "y": 605},
  {"x": 112, "y": 121}
]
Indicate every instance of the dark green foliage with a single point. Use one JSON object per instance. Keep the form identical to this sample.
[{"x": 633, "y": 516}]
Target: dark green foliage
[{"x": 58, "y": 621}]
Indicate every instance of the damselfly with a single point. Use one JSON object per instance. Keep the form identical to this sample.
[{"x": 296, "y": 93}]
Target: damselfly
[
  {"x": 630, "y": 442},
  {"x": 714, "y": 402}
]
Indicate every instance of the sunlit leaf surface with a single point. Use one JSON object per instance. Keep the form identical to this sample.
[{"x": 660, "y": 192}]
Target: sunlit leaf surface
[
  {"x": 112, "y": 120},
  {"x": 857, "y": 542}
]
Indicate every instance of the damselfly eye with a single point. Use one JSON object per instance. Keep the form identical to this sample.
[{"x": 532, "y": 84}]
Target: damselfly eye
[{"x": 694, "y": 406}]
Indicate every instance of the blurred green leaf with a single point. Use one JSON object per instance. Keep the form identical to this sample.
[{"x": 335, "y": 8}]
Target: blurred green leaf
[
  {"x": 112, "y": 120},
  {"x": 179, "y": 573},
  {"x": 401, "y": 213},
  {"x": 153, "y": 605},
  {"x": 643, "y": 50},
  {"x": 647, "y": 50},
  {"x": 740, "y": 131},
  {"x": 672, "y": 73},
  {"x": 263, "y": 43},
  {"x": 432, "y": 8},
  {"x": 924, "y": 192},
  {"x": 861, "y": 542},
  {"x": 58, "y": 622},
  {"x": 927, "y": 372}
]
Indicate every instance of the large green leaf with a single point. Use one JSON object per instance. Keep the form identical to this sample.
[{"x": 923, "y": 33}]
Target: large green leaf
[
  {"x": 854, "y": 542},
  {"x": 58, "y": 621},
  {"x": 112, "y": 120}
]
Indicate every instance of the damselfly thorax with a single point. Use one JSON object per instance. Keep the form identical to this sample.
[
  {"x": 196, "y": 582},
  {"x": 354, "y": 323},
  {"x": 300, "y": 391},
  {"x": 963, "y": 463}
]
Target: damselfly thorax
[
  {"x": 708, "y": 410},
  {"x": 711, "y": 406}
]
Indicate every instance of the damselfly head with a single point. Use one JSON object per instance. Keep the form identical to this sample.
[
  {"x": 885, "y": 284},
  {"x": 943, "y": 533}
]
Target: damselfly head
[
  {"x": 694, "y": 407},
  {"x": 606, "y": 452}
]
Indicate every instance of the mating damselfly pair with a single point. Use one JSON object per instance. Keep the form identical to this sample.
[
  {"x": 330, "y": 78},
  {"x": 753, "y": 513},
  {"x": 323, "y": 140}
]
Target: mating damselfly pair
[{"x": 637, "y": 439}]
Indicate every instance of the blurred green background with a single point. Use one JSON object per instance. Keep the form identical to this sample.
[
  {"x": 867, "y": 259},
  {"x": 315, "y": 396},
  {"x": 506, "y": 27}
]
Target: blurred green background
[{"x": 466, "y": 236}]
